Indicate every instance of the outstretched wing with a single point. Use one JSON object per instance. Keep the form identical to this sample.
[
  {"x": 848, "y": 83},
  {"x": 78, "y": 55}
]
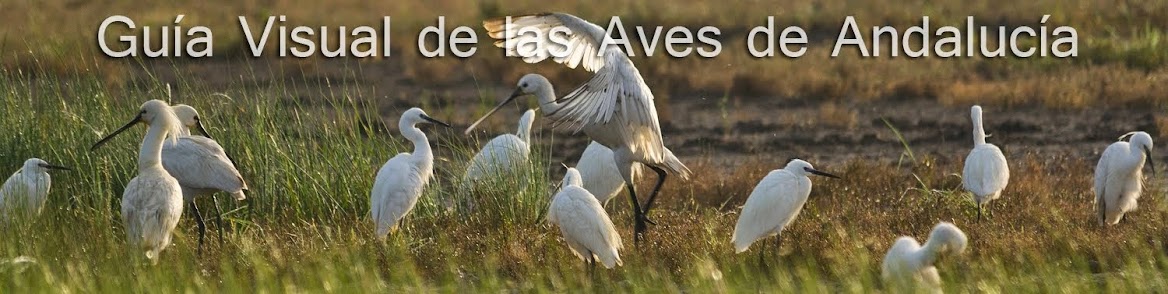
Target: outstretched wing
[{"x": 616, "y": 95}]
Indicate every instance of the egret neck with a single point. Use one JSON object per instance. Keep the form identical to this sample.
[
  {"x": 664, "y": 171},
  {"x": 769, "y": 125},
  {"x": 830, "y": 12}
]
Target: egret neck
[
  {"x": 524, "y": 131},
  {"x": 410, "y": 130}
]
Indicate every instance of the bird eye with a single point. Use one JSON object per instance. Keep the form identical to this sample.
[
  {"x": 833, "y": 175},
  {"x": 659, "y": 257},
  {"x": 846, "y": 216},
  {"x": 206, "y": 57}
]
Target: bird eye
[
  {"x": 143, "y": 111},
  {"x": 523, "y": 85}
]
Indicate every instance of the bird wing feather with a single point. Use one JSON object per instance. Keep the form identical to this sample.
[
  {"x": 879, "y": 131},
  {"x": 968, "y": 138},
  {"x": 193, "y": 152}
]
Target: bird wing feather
[
  {"x": 1104, "y": 169},
  {"x": 616, "y": 97},
  {"x": 200, "y": 163},
  {"x": 11, "y": 189},
  {"x": 986, "y": 171},
  {"x": 395, "y": 192},
  {"x": 599, "y": 172},
  {"x": 583, "y": 222},
  {"x": 502, "y": 155},
  {"x": 775, "y": 201}
]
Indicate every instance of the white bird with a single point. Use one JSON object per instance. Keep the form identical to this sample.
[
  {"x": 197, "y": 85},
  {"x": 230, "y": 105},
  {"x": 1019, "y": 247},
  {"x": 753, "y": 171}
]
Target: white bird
[
  {"x": 908, "y": 265},
  {"x": 504, "y": 155},
  {"x": 1119, "y": 176},
  {"x": 152, "y": 202},
  {"x": 25, "y": 192},
  {"x": 986, "y": 172},
  {"x": 615, "y": 108},
  {"x": 400, "y": 181},
  {"x": 600, "y": 174},
  {"x": 201, "y": 167},
  {"x": 585, "y": 226},
  {"x": 775, "y": 202}
]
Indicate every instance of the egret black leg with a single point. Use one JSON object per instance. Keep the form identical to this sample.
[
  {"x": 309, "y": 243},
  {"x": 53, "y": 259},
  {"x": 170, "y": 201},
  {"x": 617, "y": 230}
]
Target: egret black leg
[
  {"x": 591, "y": 263},
  {"x": 979, "y": 212},
  {"x": 638, "y": 216},
  {"x": 778, "y": 244},
  {"x": 762, "y": 254},
  {"x": 199, "y": 222},
  {"x": 218, "y": 219},
  {"x": 656, "y": 188},
  {"x": 1102, "y": 213}
]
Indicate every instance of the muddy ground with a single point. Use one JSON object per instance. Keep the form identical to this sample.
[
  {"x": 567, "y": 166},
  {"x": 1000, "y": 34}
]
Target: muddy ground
[{"x": 722, "y": 130}]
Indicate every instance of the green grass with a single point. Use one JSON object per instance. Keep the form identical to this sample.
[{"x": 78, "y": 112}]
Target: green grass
[{"x": 310, "y": 148}]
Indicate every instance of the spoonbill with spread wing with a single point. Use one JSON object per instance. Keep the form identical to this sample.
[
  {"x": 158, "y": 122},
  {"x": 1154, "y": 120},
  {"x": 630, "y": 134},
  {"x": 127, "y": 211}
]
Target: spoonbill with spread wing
[{"x": 615, "y": 108}]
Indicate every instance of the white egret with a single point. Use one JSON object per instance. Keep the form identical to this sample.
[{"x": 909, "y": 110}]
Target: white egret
[
  {"x": 152, "y": 202},
  {"x": 503, "y": 155},
  {"x": 775, "y": 202},
  {"x": 400, "y": 181},
  {"x": 201, "y": 167},
  {"x": 986, "y": 172},
  {"x": 585, "y": 226},
  {"x": 25, "y": 192},
  {"x": 1119, "y": 176},
  {"x": 615, "y": 108},
  {"x": 908, "y": 265}
]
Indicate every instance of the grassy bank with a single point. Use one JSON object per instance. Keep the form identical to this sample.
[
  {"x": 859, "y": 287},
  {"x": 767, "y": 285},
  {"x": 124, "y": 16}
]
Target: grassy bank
[{"x": 310, "y": 164}]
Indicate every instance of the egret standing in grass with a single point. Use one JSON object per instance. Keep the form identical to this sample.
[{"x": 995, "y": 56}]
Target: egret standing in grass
[
  {"x": 1119, "y": 176},
  {"x": 773, "y": 204},
  {"x": 909, "y": 265},
  {"x": 25, "y": 192},
  {"x": 152, "y": 202},
  {"x": 201, "y": 167},
  {"x": 504, "y": 155},
  {"x": 585, "y": 226},
  {"x": 400, "y": 181},
  {"x": 986, "y": 172},
  {"x": 615, "y": 108}
]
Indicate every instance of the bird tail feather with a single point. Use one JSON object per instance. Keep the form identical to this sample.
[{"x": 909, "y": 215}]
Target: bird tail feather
[
  {"x": 675, "y": 166},
  {"x": 239, "y": 196}
]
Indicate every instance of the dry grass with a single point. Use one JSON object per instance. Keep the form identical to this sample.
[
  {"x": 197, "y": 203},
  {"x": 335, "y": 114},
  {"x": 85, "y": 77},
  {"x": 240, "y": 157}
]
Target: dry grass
[
  {"x": 834, "y": 115},
  {"x": 1122, "y": 52},
  {"x": 310, "y": 165}
]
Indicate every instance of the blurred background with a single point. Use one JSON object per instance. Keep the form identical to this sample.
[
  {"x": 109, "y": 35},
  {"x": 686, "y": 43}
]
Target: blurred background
[{"x": 732, "y": 103}]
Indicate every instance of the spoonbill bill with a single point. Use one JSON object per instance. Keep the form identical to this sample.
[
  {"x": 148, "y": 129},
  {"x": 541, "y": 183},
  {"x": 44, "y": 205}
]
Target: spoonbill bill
[
  {"x": 1119, "y": 176},
  {"x": 25, "y": 192},
  {"x": 585, "y": 226},
  {"x": 615, "y": 108},
  {"x": 909, "y": 265},
  {"x": 773, "y": 204},
  {"x": 152, "y": 202},
  {"x": 986, "y": 172},
  {"x": 400, "y": 181},
  {"x": 503, "y": 155}
]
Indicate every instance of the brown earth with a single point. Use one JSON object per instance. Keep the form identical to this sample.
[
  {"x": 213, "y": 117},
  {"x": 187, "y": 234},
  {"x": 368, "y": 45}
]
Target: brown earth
[{"x": 722, "y": 130}]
